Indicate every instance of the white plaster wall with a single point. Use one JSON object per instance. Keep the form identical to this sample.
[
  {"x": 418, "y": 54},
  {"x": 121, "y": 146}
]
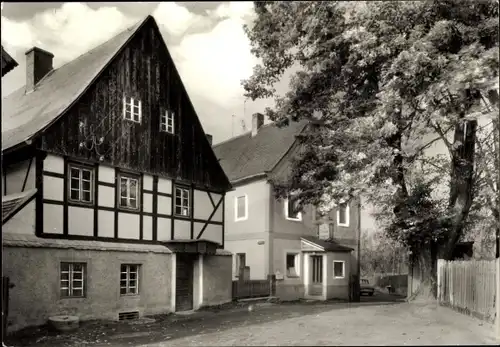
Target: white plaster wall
[
  {"x": 258, "y": 208},
  {"x": 80, "y": 221},
  {"x": 182, "y": 230},
  {"x": 106, "y": 223},
  {"x": 128, "y": 226},
  {"x": 164, "y": 229},
  {"x": 255, "y": 256}
]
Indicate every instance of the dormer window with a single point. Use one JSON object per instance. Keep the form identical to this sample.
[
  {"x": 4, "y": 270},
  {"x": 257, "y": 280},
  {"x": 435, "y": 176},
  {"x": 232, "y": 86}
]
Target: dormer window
[
  {"x": 167, "y": 122},
  {"x": 132, "y": 109}
]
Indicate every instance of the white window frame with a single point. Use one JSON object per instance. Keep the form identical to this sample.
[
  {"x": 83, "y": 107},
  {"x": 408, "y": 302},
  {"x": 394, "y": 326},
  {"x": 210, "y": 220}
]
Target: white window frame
[
  {"x": 343, "y": 269},
  {"x": 129, "y": 290},
  {"x": 70, "y": 286},
  {"x": 299, "y": 214},
  {"x": 184, "y": 198},
  {"x": 127, "y": 195},
  {"x": 135, "y": 113},
  {"x": 80, "y": 189},
  {"x": 296, "y": 263},
  {"x": 245, "y": 216},
  {"x": 347, "y": 215},
  {"x": 167, "y": 122}
]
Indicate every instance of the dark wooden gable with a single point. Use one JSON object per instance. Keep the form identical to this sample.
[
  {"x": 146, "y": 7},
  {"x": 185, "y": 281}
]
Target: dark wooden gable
[{"x": 144, "y": 70}]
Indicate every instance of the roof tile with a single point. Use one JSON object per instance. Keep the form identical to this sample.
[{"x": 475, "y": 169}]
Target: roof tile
[{"x": 244, "y": 156}]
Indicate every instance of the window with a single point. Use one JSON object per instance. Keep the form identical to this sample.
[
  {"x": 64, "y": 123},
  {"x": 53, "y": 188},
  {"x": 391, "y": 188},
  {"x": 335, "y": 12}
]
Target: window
[
  {"x": 72, "y": 283},
  {"x": 182, "y": 202},
  {"x": 291, "y": 210},
  {"x": 292, "y": 265},
  {"x": 343, "y": 215},
  {"x": 167, "y": 122},
  {"x": 241, "y": 208},
  {"x": 338, "y": 269},
  {"x": 129, "y": 192},
  {"x": 132, "y": 109},
  {"x": 240, "y": 264},
  {"x": 80, "y": 184},
  {"x": 129, "y": 279}
]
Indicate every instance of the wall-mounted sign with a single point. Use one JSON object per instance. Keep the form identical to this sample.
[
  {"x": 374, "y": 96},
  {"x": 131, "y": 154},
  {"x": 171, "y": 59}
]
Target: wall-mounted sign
[
  {"x": 278, "y": 275},
  {"x": 261, "y": 242},
  {"x": 324, "y": 231}
]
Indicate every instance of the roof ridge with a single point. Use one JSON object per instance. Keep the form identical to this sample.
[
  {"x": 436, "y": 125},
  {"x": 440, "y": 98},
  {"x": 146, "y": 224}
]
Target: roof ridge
[{"x": 241, "y": 135}]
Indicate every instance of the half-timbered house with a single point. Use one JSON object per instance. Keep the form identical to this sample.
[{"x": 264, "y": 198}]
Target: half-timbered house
[{"x": 113, "y": 200}]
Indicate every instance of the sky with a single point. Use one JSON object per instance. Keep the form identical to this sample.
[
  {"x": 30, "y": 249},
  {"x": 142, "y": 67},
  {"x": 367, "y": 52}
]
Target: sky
[{"x": 205, "y": 39}]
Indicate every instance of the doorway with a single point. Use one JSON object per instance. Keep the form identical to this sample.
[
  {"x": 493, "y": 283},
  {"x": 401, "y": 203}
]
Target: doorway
[
  {"x": 316, "y": 288},
  {"x": 184, "y": 274}
]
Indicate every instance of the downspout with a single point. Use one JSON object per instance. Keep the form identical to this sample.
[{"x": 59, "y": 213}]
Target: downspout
[{"x": 358, "y": 284}]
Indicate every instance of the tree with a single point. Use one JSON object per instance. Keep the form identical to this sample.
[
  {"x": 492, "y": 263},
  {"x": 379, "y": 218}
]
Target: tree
[{"x": 382, "y": 81}]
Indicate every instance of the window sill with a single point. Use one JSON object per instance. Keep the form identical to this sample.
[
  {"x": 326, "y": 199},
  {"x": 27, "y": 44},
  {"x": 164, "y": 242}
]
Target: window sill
[
  {"x": 294, "y": 219},
  {"x": 338, "y": 278},
  {"x": 81, "y": 203},
  {"x": 182, "y": 216},
  {"x": 292, "y": 276},
  {"x": 343, "y": 225},
  {"x": 128, "y": 209},
  {"x": 241, "y": 220},
  {"x": 129, "y": 295}
]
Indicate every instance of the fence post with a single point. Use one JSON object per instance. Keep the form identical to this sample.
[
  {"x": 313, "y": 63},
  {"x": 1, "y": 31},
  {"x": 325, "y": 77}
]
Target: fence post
[
  {"x": 439, "y": 280},
  {"x": 497, "y": 298}
]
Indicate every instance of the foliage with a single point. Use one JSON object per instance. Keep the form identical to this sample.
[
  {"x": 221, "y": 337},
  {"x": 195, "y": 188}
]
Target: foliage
[
  {"x": 380, "y": 254},
  {"x": 388, "y": 80}
]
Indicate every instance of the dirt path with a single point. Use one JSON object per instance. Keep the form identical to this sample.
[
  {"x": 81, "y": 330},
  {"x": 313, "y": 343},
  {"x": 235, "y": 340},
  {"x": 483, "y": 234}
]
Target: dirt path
[
  {"x": 402, "y": 324},
  {"x": 379, "y": 320}
]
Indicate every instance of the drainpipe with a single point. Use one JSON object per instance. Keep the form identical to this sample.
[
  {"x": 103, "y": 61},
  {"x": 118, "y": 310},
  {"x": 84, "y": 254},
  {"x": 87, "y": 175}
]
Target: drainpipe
[{"x": 358, "y": 284}]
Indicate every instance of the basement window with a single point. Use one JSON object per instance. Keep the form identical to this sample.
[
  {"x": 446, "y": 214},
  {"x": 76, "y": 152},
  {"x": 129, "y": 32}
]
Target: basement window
[
  {"x": 167, "y": 122},
  {"x": 182, "y": 202},
  {"x": 129, "y": 279},
  {"x": 132, "y": 109},
  {"x": 72, "y": 280}
]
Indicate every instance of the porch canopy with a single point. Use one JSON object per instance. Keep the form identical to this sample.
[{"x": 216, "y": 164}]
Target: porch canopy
[
  {"x": 315, "y": 244},
  {"x": 192, "y": 246}
]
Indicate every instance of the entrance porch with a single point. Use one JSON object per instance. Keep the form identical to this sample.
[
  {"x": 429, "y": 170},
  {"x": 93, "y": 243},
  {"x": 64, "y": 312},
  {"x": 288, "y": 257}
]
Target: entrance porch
[{"x": 326, "y": 269}]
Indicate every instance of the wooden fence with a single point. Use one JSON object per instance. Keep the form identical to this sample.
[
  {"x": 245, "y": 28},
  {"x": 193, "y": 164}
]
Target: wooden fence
[
  {"x": 468, "y": 286},
  {"x": 243, "y": 289}
]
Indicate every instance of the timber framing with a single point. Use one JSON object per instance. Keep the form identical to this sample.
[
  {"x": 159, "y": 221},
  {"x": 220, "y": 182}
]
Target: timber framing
[{"x": 95, "y": 205}]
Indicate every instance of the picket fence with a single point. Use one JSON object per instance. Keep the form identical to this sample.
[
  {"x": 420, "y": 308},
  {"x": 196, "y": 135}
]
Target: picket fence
[{"x": 468, "y": 286}]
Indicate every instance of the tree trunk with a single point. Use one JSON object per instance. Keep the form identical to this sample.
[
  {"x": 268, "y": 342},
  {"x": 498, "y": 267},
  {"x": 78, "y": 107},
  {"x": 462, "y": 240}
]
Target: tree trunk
[
  {"x": 424, "y": 275},
  {"x": 461, "y": 182}
]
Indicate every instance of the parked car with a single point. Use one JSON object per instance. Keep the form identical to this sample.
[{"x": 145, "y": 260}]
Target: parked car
[{"x": 366, "y": 288}]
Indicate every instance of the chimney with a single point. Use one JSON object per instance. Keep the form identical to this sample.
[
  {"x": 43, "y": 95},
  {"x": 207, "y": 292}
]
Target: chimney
[
  {"x": 38, "y": 64},
  {"x": 209, "y": 138},
  {"x": 257, "y": 122}
]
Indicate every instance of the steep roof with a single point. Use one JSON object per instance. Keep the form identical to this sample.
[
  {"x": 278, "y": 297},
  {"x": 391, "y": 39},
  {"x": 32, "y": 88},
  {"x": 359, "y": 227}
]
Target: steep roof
[
  {"x": 8, "y": 63},
  {"x": 12, "y": 203},
  {"x": 24, "y": 115},
  {"x": 244, "y": 156}
]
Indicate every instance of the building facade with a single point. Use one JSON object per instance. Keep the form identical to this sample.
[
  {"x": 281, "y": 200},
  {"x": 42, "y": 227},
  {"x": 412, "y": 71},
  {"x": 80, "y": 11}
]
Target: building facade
[
  {"x": 113, "y": 200},
  {"x": 310, "y": 257}
]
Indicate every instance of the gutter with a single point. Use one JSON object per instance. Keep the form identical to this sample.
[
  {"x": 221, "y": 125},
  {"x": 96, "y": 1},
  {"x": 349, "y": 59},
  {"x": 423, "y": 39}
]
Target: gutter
[{"x": 246, "y": 179}]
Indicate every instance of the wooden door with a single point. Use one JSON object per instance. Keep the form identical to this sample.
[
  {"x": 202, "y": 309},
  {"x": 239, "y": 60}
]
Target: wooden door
[
  {"x": 316, "y": 275},
  {"x": 184, "y": 282}
]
